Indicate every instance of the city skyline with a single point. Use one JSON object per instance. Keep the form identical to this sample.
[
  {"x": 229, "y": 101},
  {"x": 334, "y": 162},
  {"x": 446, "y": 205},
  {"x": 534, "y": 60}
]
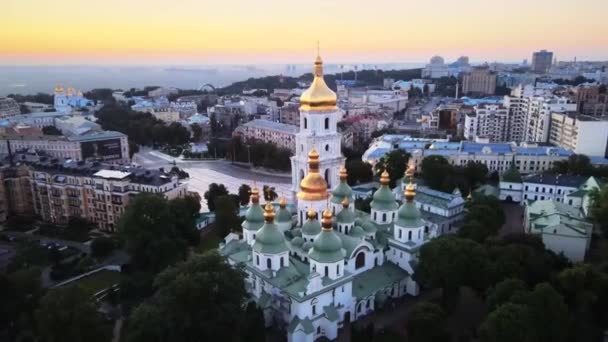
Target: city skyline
[{"x": 272, "y": 31}]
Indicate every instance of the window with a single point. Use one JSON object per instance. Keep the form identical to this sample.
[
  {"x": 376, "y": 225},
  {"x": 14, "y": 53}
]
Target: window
[
  {"x": 257, "y": 260},
  {"x": 409, "y": 235},
  {"x": 337, "y": 269},
  {"x": 384, "y": 217},
  {"x": 400, "y": 233},
  {"x": 326, "y": 123},
  {"x": 305, "y": 123},
  {"x": 269, "y": 263},
  {"x": 282, "y": 262},
  {"x": 313, "y": 303},
  {"x": 327, "y": 271},
  {"x": 327, "y": 147},
  {"x": 360, "y": 260}
]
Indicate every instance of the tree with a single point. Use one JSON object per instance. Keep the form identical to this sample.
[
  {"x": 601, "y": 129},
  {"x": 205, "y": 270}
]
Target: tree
[
  {"x": 436, "y": 173},
  {"x": 449, "y": 262},
  {"x": 395, "y": 162},
  {"x": 20, "y": 292},
  {"x": 475, "y": 173},
  {"x": 51, "y": 130},
  {"x": 576, "y": 164},
  {"x": 213, "y": 124},
  {"x": 504, "y": 291},
  {"x": 509, "y": 322},
  {"x": 484, "y": 218},
  {"x": 102, "y": 246},
  {"x": 226, "y": 215},
  {"x": 363, "y": 204},
  {"x": 153, "y": 234},
  {"x": 425, "y": 323},
  {"x": 197, "y": 132},
  {"x": 215, "y": 190},
  {"x": 359, "y": 171},
  {"x": 599, "y": 208},
  {"x": 269, "y": 193},
  {"x": 185, "y": 211},
  {"x": 548, "y": 314},
  {"x": 244, "y": 192},
  {"x": 201, "y": 299},
  {"x": 67, "y": 314}
]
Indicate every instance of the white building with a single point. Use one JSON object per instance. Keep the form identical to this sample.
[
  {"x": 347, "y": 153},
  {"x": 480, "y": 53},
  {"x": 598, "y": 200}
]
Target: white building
[
  {"x": 559, "y": 188},
  {"x": 582, "y": 134},
  {"x": 280, "y": 134},
  {"x": 488, "y": 121},
  {"x": 436, "y": 68},
  {"x": 539, "y": 116}
]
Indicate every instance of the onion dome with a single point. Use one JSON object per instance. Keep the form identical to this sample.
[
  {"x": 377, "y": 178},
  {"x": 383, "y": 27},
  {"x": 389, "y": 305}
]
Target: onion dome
[
  {"x": 312, "y": 226},
  {"x": 71, "y": 91},
  {"x": 58, "y": 89},
  {"x": 318, "y": 97},
  {"x": 307, "y": 246},
  {"x": 358, "y": 221},
  {"x": 369, "y": 227},
  {"x": 342, "y": 189},
  {"x": 269, "y": 239},
  {"x": 346, "y": 215},
  {"x": 297, "y": 241},
  {"x": 408, "y": 215},
  {"x": 254, "y": 217},
  {"x": 313, "y": 186},
  {"x": 283, "y": 215},
  {"x": 327, "y": 246},
  {"x": 79, "y": 93},
  {"x": 357, "y": 232},
  {"x": 383, "y": 198}
]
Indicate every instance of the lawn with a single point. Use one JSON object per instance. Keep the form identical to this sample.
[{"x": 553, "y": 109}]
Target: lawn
[{"x": 98, "y": 281}]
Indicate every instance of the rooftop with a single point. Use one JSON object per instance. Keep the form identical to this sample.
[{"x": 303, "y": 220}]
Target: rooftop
[{"x": 271, "y": 125}]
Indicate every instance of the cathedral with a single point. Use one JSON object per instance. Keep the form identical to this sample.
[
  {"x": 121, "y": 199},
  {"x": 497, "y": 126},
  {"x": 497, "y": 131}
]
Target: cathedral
[
  {"x": 326, "y": 264},
  {"x": 65, "y": 101}
]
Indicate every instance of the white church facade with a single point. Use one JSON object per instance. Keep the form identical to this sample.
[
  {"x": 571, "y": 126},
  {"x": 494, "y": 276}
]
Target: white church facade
[{"x": 313, "y": 270}]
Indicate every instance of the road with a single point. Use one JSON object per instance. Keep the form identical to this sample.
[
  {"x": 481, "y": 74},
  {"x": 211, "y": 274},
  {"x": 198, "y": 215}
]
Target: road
[{"x": 203, "y": 173}]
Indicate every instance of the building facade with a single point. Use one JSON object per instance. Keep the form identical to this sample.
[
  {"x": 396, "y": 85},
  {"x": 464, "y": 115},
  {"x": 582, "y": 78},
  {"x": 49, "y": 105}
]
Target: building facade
[
  {"x": 8, "y": 107},
  {"x": 582, "y": 134},
  {"x": 282, "y": 135},
  {"x": 538, "y": 118},
  {"x": 541, "y": 61},
  {"x": 479, "y": 81},
  {"x": 487, "y": 121}
]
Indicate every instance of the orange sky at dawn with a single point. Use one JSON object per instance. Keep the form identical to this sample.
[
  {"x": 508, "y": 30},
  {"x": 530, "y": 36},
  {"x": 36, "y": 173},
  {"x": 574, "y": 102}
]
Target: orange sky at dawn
[{"x": 285, "y": 31}]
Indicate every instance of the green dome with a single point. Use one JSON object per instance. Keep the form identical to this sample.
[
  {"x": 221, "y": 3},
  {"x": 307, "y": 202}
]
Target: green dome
[
  {"x": 254, "y": 218},
  {"x": 270, "y": 240},
  {"x": 384, "y": 199},
  {"x": 341, "y": 191},
  {"x": 296, "y": 232},
  {"x": 356, "y": 232},
  {"x": 408, "y": 216},
  {"x": 307, "y": 246},
  {"x": 358, "y": 221},
  {"x": 346, "y": 215},
  {"x": 283, "y": 215},
  {"x": 297, "y": 241},
  {"x": 369, "y": 227},
  {"x": 327, "y": 247},
  {"x": 311, "y": 227}
]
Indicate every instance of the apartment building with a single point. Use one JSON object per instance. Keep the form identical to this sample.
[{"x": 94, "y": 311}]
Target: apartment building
[
  {"x": 94, "y": 191},
  {"x": 290, "y": 113},
  {"x": 538, "y": 119},
  {"x": 280, "y": 134},
  {"x": 479, "y": 81},
  {"x": 15, "y": 193},
  {"x": 518, "y": 112},
  {"x": 8, "y": 107},
  {"x": 488, "y": 121},
  {"x": 582, "y": 134},
  {"x": 592, "y": 99},
  {"x": 542, "y": 61}
]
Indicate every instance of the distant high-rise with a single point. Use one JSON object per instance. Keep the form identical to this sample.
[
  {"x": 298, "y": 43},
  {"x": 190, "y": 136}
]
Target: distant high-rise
[
  {"x": 479, "y": 81},
  {"x": 541, "y": 61}
]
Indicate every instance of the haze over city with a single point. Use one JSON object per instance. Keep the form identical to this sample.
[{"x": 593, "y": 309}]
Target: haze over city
[{"x": 273, "y": 31}]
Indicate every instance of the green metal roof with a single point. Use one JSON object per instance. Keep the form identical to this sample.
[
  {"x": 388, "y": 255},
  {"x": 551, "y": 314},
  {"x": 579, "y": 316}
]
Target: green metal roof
[
  {"x": 306, "y": 325},
  {"x": 327, "y": 247},
  {"x": 254, "y": 218},
  {"x": 384, "y": 199},
  {"x": 331, "y": 313},
  {"x": 311, "y": 227},
  {"x": 409, "y": 216},
  {"x": 378, "y": 278},
  {"x": 341, "y": 191},
  {"x": 283, "y": 215},
  {"x": 552, "y": 217},
  {"x": 270, "y": 240},
  {"x": 346, "y": 215},
  {"x": 356, "y": 232}
]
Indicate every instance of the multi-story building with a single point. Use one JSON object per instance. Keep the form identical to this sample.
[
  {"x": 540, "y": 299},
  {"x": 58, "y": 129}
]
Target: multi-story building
[
  {"x": 555, "y": 187},
  {"x": 542, "y": 61},
  {"x": 8, "y": 107},
  {"x": 289, "y": 114},
  {"x": 93, "y": 145},
  {"x": 582, "y": 134},
  {"x": 592, "y": 100},
  {"x": 518, "y": 113},
  {"x": 539, "y": 113},
  {"x": 166, "y": 115},
  {"x": 280, "y": 134},
  {"x": 479, "y": 81},
  {"x": 15, "y": 191},
  {"x": 488, "y": 121},
  {"x": 436, "y": 68},
  {"x": 93, "y": 191}
]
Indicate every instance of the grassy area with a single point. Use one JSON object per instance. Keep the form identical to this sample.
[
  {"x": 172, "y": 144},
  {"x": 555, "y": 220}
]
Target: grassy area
[{"x": 99, "y": 281}]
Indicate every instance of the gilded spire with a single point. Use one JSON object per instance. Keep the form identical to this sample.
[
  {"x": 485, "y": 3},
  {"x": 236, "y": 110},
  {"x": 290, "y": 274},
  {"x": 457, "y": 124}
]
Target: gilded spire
[
  {"x": 318, "y": 97},
  {"x": 269, "y": 213},
  {"x": 410, "y": 192},
  {"x": 255, "y": 195},
  {"x": 343, "y": 174},
  {"x": 327, "y": 222},
  {"x": 58, "y": 89},
  {"x": 311, "y": 214},
  {"x": 385, "y": 178},
  {"x": 283, "y": 202},
  {"x": 345, "y": 202}
]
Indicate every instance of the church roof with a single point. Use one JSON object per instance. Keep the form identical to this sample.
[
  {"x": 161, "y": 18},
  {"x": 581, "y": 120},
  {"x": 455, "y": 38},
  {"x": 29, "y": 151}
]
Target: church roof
[{"x": 377, "y": 278}]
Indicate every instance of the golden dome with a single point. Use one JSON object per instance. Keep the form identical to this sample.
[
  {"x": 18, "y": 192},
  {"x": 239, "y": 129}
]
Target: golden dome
[
  {"x": 326, "y": 221},
  {"x": 255, "y": 195},
  {"x": 269, "y": 213},
  {"x": 410, "y": 192},
  {"x": 345, "y": 202},
  {"x": 384, "y": 178},
  {"x": 59, "y": 89},
  {"x": 343, "y": 174},
  {"x": 283, "y": 202},
  {"x": 70, "y": 91},
  {"x": 318, "y": 97},
  {"x": 313, "y": 186},
  {"x": 312, "y": 214},
  {"x": 79, "y": 93}
]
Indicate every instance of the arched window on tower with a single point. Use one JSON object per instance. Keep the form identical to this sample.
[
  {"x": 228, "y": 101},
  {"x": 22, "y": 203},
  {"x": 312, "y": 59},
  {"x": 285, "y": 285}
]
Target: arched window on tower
[
  {"x": 360, "y": 260},
  {"x": 269, "y": 263},
  {"x": 326, "y": 123},
  {"x": 327, "y": 177},
  {"x": 305, "y": 123},
  {"x": 409, "y": 235}
]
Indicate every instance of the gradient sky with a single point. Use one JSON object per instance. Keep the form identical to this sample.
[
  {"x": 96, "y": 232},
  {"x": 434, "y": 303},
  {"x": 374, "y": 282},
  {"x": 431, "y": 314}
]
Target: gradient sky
[{"x": 286, "y": 31}]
